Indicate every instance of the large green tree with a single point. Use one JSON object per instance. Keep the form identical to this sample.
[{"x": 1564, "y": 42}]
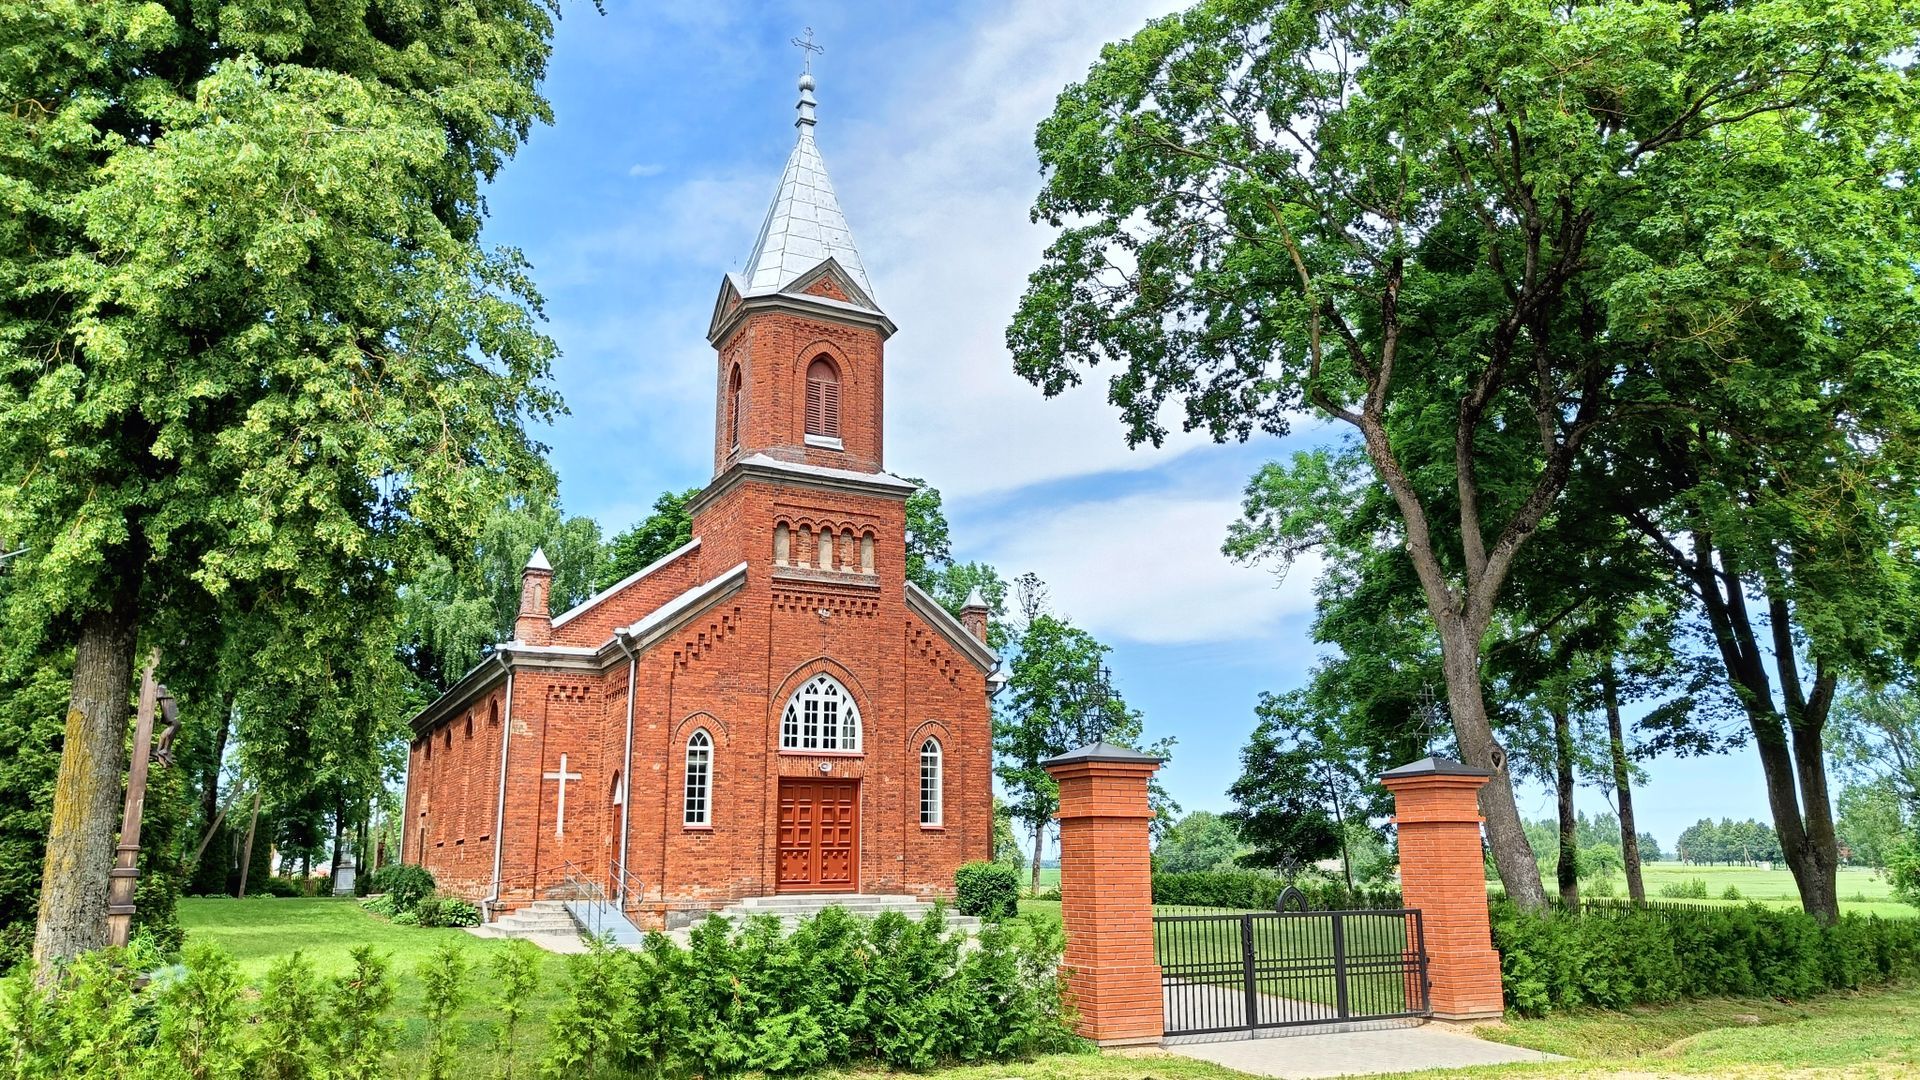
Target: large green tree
[
  {"x": 648, "y": 540},
  {"x": 251, "y": 349},
  {"x": 1420, "y": 220},
  {"x": 454, "y": 607},
  {"x": 1058, "y": 697}
]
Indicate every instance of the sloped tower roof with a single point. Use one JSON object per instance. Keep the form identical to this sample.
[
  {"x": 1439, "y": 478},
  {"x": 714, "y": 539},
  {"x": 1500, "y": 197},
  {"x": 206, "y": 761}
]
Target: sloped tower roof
[{"x": 804, "y": 226}]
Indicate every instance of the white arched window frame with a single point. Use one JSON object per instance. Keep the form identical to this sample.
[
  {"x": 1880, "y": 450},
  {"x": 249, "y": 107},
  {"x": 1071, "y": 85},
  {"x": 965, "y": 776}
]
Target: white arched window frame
[
  {"x": 932, "y": 784},
  {"x": 821, "y": 716},
  {"x": 699, "y": 780}
]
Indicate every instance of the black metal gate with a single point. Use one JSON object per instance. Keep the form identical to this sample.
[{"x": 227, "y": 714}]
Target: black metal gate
[{"x": 1237, "y": 972}]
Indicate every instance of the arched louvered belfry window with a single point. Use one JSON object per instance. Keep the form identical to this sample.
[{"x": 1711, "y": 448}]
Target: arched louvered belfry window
[
  {"x": 733, "y": 408},
  {"x": 821, "y": 715},
  {"x": 932, "y": 781},
  {"x": 823, "y": 399},
  {"x": 699, "y": 779}
]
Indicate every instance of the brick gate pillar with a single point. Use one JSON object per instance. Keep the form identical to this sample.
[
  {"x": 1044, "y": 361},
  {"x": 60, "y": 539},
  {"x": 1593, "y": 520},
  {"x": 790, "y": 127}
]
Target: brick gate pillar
[
  {"x": 1106, "y": 892},
  {"x": 1443, "y": 874}
]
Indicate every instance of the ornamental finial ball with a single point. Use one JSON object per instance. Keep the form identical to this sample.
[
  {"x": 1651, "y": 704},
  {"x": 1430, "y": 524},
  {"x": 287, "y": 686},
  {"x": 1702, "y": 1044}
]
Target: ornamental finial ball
[{"x": 806, "y": 81}]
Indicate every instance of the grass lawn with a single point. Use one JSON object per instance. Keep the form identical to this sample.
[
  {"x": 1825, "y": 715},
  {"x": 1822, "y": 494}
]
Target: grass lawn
[{"x": 259, "y": 930}]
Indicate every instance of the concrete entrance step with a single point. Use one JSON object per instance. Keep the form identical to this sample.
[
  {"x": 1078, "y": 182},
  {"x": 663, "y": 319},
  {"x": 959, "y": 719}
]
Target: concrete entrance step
[
  {"x": 791, "y": 909},
  {"x": 546, "y": 923}
]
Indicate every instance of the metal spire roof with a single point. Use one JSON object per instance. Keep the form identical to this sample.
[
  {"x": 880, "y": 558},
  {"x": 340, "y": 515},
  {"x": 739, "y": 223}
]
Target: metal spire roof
[{"x": 804, "y": 226}]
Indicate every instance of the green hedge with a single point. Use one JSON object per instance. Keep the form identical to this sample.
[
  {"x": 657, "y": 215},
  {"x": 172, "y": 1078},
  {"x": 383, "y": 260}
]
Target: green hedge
[
  {"x": 837, "y": 991},
  {"x": 988, "y": 889},
  {"x": 1255, "y": 891},
  {"x": 446, "y": 911},
  {"x": 1613, "y": 957},
  {"x": 407, "y": 883}
]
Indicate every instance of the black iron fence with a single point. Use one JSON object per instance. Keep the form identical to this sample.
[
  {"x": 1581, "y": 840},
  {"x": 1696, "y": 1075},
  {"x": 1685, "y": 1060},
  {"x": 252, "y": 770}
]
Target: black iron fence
[{"x": 1240, "y": 971}]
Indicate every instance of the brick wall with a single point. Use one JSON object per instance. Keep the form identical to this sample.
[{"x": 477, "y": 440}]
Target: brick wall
[{"x": 773, "y": 350}]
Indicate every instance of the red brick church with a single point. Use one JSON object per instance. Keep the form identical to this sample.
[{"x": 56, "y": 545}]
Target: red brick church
[{"x": 771, "y": 708}]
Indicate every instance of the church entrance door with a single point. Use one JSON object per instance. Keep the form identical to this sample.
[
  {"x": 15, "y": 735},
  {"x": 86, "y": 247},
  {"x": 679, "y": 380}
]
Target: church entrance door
[{"x": 819, "y": 835}]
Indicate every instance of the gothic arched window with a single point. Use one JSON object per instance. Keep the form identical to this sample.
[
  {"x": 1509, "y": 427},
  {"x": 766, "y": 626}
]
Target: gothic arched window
[
  {"x": 823, "y": 399},
  {"x": 733, "y": 408},
  {"x": 699, "y": 778},
  {"x": 931, "y": 781},
  {"x": 821, "y": 716}
]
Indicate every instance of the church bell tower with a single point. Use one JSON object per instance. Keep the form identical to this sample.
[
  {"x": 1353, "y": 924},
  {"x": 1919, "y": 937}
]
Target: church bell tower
[{"x": 800, "y": 340}]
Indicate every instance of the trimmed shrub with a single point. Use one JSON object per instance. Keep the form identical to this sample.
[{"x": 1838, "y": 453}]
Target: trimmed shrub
[
  {"x": 837, "y": 991},
  {"x": 1616, "y": 956},
  {"x": 407, "y": 883},
  {"x": 989, "y": 890},
  {"x": 443, "y": 978},
  {"x": 1251, "y": 890},
  {"x": 446, "y": 911},
  {"x": 284, "y": 887}
]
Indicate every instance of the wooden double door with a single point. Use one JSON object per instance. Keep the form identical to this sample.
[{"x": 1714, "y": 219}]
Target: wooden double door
[{"x": 819, "y": 835}]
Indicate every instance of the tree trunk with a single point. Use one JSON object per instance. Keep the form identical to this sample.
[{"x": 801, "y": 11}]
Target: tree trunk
[
  {"x": 246, "y": 851},
  {"x": 1039, "y": 837},
  {"x": 1623, "y": 786},
  {"x": 210, "y": 780},
  {"x": 1567, "y": 866},
  {"x": 1512, "y": 855},
  {"x": 333, "y": 863},
  {"x": 87, "y": 794}
]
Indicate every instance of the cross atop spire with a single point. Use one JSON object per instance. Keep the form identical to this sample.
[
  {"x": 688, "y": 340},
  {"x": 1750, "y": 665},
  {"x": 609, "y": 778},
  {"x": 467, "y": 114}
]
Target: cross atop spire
[{"x": 806, "y": 67}]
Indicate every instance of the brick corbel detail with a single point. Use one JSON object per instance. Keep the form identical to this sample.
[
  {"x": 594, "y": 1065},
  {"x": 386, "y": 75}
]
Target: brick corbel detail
[
  {"x": 1443, "y": 875},
  {"x": 1106, "y": 894}
]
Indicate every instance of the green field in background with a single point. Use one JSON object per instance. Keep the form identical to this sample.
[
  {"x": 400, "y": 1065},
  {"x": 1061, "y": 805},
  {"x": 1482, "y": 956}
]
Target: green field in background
[{"x": 1862, "y": 891}]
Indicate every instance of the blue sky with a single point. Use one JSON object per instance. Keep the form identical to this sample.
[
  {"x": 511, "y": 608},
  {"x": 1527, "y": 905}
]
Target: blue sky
[{"x": 673, "y": 122}]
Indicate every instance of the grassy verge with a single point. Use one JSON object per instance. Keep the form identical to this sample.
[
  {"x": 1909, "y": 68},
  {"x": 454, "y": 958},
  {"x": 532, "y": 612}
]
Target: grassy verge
[
  {"x": 1864, "y": 1034},
  {"x": 260, "y": 930}
]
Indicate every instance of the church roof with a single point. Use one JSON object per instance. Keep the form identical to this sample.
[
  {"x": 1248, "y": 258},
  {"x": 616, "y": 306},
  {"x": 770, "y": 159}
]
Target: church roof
[{"x": 804, "y": 226}]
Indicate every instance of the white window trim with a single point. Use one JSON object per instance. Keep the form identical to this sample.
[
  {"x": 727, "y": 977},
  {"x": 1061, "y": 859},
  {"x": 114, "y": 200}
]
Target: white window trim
[
  {"x": 793, "y": 721},
  {"x": 705, "y": 746},
  {"x": 826, "y": 442},
  {"x": 939, "y": 785}
]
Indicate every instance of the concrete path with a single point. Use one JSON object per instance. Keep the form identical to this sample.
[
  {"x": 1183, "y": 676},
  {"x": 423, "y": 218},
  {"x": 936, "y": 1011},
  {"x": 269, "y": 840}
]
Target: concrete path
[{"x": 1352, "y": 1050}]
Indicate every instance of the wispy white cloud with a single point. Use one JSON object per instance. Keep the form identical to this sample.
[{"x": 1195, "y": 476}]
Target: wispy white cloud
[
  {"x": 646, "y": 168},
  {"x": 937, "y": 189},
  {"x": 1147, "y": 568}
]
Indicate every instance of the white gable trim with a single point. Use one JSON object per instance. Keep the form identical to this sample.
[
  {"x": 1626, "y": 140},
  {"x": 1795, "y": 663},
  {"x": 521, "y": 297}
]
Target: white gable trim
[
  {"x": 645, "y": 633},
  {"x": 830, "y": 267},
  {"x": 637, "y": 575},
  {"x": 950, "y": 628}
]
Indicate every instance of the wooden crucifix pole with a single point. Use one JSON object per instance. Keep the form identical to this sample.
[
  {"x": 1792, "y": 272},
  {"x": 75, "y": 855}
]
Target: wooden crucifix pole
[{"x": 126, "y": 863}]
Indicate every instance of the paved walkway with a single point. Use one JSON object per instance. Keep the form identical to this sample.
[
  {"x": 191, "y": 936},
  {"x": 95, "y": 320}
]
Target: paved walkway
[{"x": 1352, "y": 1050}]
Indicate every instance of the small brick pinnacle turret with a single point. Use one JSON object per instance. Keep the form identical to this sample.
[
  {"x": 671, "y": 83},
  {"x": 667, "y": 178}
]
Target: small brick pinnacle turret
[
  {"x": 973, "y": 614},
  {"x": 534, "y": 624}
]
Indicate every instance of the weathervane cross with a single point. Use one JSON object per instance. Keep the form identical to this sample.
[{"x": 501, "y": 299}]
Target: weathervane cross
[{"x": 810, "y": 47}]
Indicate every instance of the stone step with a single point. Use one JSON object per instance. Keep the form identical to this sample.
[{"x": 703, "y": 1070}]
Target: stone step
[
  {"x": 541, "y": 923},
  {"x": 868, "y": 910},
  {"x": 829, "y": 900}
]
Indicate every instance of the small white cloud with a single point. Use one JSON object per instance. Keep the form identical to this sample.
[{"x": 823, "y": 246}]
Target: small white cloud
[
  {"x": 1148, "y": 568},
  {"x": 646, "y": 168}
]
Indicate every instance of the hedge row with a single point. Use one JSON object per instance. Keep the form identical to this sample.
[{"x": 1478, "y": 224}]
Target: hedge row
[
  {"x": 837, "y": 991},
  {"x": 1252, "y": 890},
  {"x": 1617, "y": 957}
]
